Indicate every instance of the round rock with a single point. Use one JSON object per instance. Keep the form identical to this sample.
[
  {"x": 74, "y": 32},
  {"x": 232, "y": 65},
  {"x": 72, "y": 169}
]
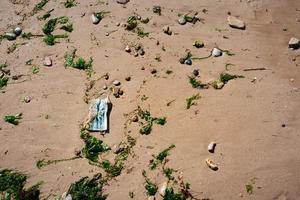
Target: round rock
[
  {"x": 182, "y": 20},
  {"x": 18, "y": 30},
  {"x": 116, "y": 83},
  {"x": 95, "y": 19},
  {"x": 216, "y": 52},
  {"x": 10, "y": 36},
  {"x": 47, "y": 61}
]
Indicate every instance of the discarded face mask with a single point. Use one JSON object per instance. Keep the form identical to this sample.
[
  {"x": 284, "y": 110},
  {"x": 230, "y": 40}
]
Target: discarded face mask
[{"x": 98, "y": 115}]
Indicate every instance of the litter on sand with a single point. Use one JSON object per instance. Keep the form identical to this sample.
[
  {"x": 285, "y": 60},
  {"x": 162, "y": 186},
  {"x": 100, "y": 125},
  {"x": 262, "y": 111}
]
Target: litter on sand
[{"x": 98, "y": 115}]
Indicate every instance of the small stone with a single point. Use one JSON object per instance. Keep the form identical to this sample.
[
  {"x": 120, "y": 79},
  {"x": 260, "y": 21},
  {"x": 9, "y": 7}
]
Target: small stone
[
  {"x": 151, "y": 198},
  {"x": 27, "y": 99},
  {"x": 10, "y": 36},
  {"x": 219, "y": 85},
  {"x": 162, "y": 189},
  {"x": 106, "y": 76},
  {"x": 294, "y": 43},
  {"x": 182, "y": 20},
  {"x": 135, "y": 118},
  {"x": 153, "y": 71},
  {"x": 198, "y": 44},
  {"x": 68, "y": 197},
  {"x": 119, "y": 148},
  {"x": 47, "y": 61},
  {"x": 156, "y": 9},
  {"x": 77, "y": 152},
  {"x": 167, "y": 30},
  {"x": 120, "y": 92},
  {"x": 128, "y": 78},
  {"x": 116, "y": 83},
  {"x": 292, "y": 80},
  {"x": 188, "y": 61},
  {"x": 122, "y": 1},
  {"x": 95, "y": 19},
  {"x": 127, "y": 49},
  {"x": 104, "y": 87},
  {"x": 118, "y": 24},
  {"x": 216, "y": 52},
  {"x": 195, "y": 72},
  {"x": 142, "y": 68},
  {"x": 211, "y": 147},
  {"x": 18, "y": 31},
  {"x": 141, "y": 51},
  {"x": 236, "y": 23},
  {"x": 106, "y": 34},
  {"x": 211, "y": 164},
  {"x": 136, "y": 54},
  {"x": 116, "y": 92}
]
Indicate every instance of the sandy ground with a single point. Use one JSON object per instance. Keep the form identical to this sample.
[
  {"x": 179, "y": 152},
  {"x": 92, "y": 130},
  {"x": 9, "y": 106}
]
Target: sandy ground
[{"x": 245, "y": 118}]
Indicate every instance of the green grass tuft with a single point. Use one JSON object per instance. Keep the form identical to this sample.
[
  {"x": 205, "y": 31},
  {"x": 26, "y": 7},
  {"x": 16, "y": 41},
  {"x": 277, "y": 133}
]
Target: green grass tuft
[
  {"x": 13, "y": 119},
  {"x": 191, "y": 101}
]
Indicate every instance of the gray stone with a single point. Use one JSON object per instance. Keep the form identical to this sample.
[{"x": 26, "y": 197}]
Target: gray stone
[
  {"x": 95, "y": 19},
  {"x": 294, "y": 43},
  {"x": 216, "y": 52},
  {"x": 116, "y": 83},
  {"x": 10, "y": 36},
  {"x": 122, "y": 1},
  {"x": 182, "y": 20},
  {"x": 18, "y": 30},
  {"x": 236, "y": 23},
  {"x": 47, "y": 61},
  {"x": 211, "y": 147}
]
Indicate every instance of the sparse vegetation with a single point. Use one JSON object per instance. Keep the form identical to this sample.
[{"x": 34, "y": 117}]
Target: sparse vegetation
[
  {"x": 191, "y": 101},
  {"x": 39, "y": 6},
  {"x": 131, "y": 23},
  {"x": 12, "y": 185},
  {"x": 70, "y": 3},
  {"x": 149, "y": 120},
  {"x": 150, "y": 187},
  {"x": 3, "y": 81},
  {"x": 13, "y": 119},
  {"x": 114, "y": 169},
  {"x": 160, "y": 158},
  {"x": 80, "y": 63},
  {"x": 35, "y": 69},
  {"x": 93, "y": 147},
  {"x": 88, "y": 188},
  {"x": 131, "y": 194},
  {"x": 50, "y": 39},
  {"x": 12, "y": 48},
  {"x": 42, "y": 163},
  {"x": 225, "y": 77},
  {"x": 141, "y": 33},
  {"x": 249, "y": 188}
]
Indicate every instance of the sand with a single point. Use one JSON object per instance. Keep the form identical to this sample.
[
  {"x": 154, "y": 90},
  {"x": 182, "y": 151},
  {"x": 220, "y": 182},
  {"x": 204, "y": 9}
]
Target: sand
[{"x": 245, "y": 118}]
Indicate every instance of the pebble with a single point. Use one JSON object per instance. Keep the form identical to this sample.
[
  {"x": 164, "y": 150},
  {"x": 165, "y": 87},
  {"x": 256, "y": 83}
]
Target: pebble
[
  {"x": 142, "y": 68},
  {"x": 294, "y": 43},
  {"x": 216, "y": 52},
  {"x": 135, "y": 118},
  {"x": 153, "y": 71},
  {"x": 77, "y": 152},
  {"x": 18, "y": 31},
  {"x": 106, "y": 34},
  {"x": 68, "y": 197},
  {"x": 95, "y": 19},
  {"x": 106, "y": 76},
  {"x": 151, "y": 198},
  {"x": 167, "y": 30},
  {"x": 162, "y": 189},
  {"x": 116, "y": 83},
  {"x": 27, "y": 99},
  {"x": 104, "y": 87},
  {"x": 198, "y": 44},
  {"x": 122, "y": 1},
  {"x": 119, "y": 148},
  {"x": 219, "y": 85},
  {"x": 47, "y": 61},
  {"x": 211, "y": 147},
  {"x": 118, "y": 24},
  {"x": 10, "y": 36},
  {"x": 195, "y": 72},
  {"x": 211, "y": 164},
  {"x": 128, "y": 78},
  {"x": 182, "y": 20},
  {"x": 188, "y": 61},
  {"x": 127, "y": 49},
  {"x": 236, "y": 23}
]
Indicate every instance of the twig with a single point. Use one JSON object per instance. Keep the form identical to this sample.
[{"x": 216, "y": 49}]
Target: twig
[{"x": 254, "y": 69}]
